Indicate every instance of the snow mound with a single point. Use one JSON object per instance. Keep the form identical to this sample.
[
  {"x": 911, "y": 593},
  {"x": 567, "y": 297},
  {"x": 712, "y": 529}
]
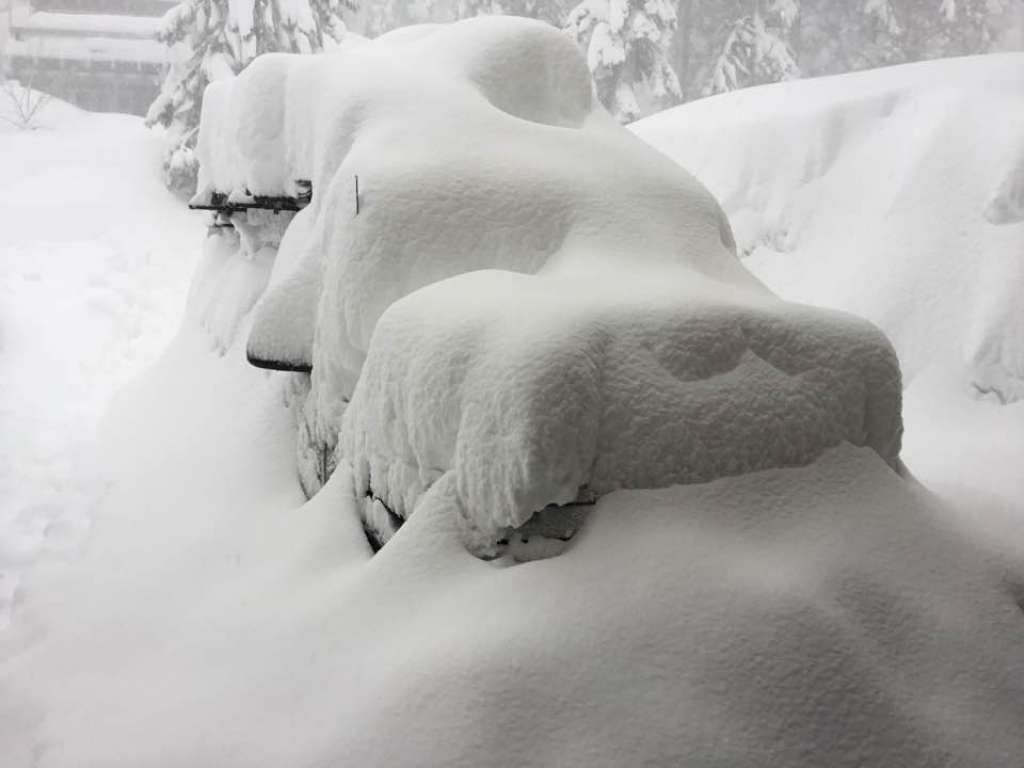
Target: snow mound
[
  {"x": 892, "y": 194},
  {"x": 616, "y": 304},
  {"x": 529, "y": 389},
  {"x": 24, "y": 109},
  {"x": 822, "y": 615}
]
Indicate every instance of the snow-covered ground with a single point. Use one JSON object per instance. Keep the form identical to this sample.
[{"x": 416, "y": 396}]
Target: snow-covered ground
[
  {"x": 833, "y": 614},
  {"x": 95, "y": 259}
]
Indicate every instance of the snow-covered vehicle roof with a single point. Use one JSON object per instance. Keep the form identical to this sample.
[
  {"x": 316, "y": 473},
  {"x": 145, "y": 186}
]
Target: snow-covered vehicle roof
[{"x": 617, "y": 340}]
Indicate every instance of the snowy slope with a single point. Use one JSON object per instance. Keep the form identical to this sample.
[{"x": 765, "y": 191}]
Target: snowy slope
[
  {"x": 898, "y": 195},
  {"x": 95, "y": 259}
]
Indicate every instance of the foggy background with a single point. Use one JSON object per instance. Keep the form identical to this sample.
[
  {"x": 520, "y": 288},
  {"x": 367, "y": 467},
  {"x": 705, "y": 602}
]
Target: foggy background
[{"x": 645, "y": 55}]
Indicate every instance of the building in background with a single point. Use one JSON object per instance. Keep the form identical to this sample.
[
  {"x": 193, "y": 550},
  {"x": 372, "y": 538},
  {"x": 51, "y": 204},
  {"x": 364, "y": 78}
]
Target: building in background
[{"x": 100, "y": 55}]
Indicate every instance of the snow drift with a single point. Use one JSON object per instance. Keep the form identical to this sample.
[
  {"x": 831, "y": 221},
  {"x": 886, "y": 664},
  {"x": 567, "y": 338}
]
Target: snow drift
[
  {"x": 792, "y": 617},
  {"x": 620, "y": 344},
  {"x": 895, "y": 194}
]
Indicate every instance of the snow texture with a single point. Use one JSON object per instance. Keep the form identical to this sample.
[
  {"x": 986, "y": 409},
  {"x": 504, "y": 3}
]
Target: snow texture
[
  {"x": 528, "y": 389},
  {"x": 789, "y": 617},
  {"x": 892, "y": 194},
  {"x": 631, "y": 251}
]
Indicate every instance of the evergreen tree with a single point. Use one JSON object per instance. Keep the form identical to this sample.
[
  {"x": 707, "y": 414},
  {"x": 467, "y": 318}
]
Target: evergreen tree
[
  {"x": 216, "y": 39},
  {"x": 553, "y": 12},
  {"x": 382, "y": 16},
  {"x": 626, "y": 43},
  {"x": 967, "y": 24},
  {"x": 756, "y": 49}
]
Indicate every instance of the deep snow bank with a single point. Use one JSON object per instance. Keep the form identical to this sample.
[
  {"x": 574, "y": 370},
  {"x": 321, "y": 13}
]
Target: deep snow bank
[
  {"x": 479, "y": 145},
  {"x": 894, "y": 194},
  {"x": 95, "y": 260},
  {"x": 797, "y": 617}
]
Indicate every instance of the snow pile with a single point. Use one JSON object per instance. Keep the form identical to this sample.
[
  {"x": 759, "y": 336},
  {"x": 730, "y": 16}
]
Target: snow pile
[
  {"x": 512, "y": 165},
  {"x": 894, "y": 194},
  {"x": 95, "y": 258}
]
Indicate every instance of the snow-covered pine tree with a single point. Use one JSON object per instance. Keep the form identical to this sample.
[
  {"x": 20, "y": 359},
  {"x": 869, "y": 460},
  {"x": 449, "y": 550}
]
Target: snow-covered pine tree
[
  {"x": 938, "y": 28},
  {"x": 756, "y": 49},
  {"x": 967, "y": 24},
  {"x": 380, "y": 16},
  {"x": 833, "y": 37},
  {"x": 213, "y": 39},
  {"x": 883, "y": 15},
  {"x": 626, "y": 43},
  {"x": 551, "y": 11},
  {"x": 883, "y": 39}
]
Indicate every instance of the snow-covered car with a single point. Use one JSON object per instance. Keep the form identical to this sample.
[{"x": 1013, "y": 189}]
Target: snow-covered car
[{"x": 497, "y": 284}]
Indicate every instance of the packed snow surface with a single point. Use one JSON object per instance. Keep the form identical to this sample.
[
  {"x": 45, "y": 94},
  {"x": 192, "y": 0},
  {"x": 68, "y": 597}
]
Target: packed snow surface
[{"x": 618, "y": 341}]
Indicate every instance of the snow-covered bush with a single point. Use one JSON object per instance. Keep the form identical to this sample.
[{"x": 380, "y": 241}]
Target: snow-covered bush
[
  {"x": 756, "y": 50},
  {"x": 626, "y": 44},
  {"x": 215, "y": 39},
  {"x": 20, "y": 106}
]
